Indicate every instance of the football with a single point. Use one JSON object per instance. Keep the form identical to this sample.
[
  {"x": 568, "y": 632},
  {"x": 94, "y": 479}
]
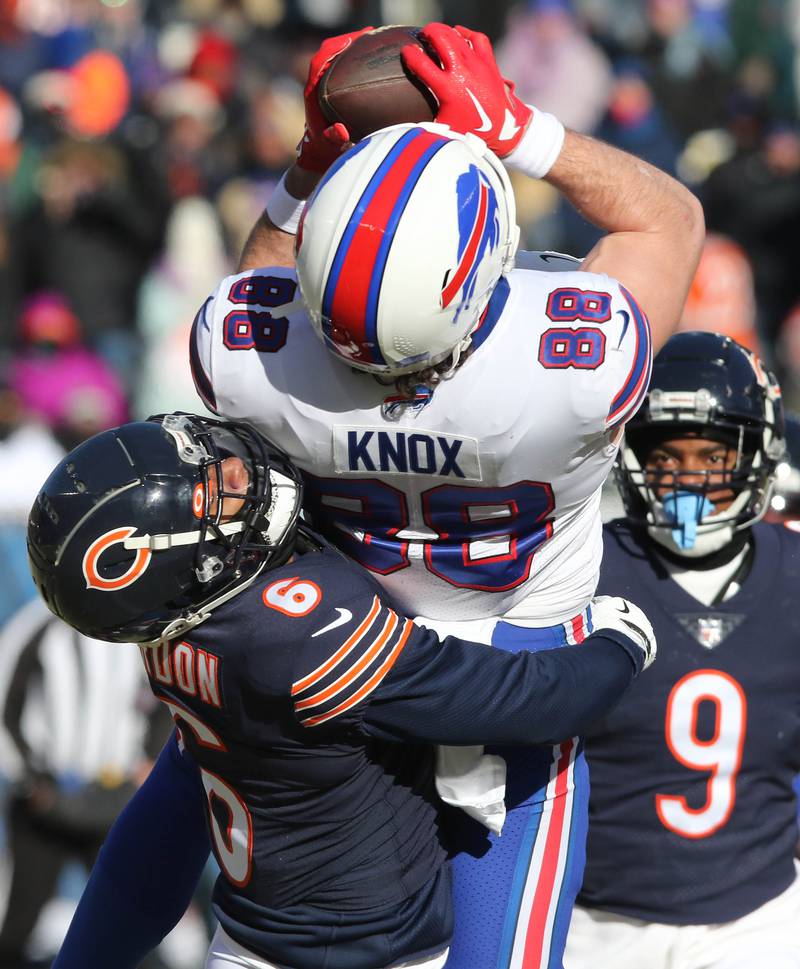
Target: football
[{"x": 367, "y": 87}]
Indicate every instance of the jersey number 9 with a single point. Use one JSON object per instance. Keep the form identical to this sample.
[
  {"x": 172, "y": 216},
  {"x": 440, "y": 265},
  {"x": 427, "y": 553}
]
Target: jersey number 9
[{"x": 721, "y": 754}]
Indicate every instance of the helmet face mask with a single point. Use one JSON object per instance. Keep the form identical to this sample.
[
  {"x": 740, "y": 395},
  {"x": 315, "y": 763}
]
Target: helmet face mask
[
  {"x": 131, "y": 539},
  {"x": 401, "y": 246},
  {"x": 709, "y": 390}
]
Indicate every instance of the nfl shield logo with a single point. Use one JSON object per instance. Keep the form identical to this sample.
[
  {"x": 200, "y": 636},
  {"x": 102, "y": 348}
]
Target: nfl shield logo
[{"x": 710, "y": 631}]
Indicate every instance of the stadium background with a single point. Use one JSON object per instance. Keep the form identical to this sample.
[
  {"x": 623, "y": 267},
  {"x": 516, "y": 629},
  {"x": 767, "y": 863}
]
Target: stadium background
[{"x": 140, "y": 139}]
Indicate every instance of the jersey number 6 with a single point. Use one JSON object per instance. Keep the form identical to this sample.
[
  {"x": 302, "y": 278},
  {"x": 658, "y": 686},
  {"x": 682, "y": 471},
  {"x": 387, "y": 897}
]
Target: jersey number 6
[{"x": 233, "y": 843}]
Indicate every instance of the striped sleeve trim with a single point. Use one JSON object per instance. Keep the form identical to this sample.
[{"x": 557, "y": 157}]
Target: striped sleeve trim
[
  {"x": 632, "y": 393},
  {"x": 353, "y": 680},
  {"x": 577, "y": 629},
  {"x": 342, "y": 653}
]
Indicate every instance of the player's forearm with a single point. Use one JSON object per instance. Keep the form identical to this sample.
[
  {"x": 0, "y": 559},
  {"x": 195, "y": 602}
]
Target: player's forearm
[
  {"x": 618, "y": 192},
  {"x": 655, "y": 225},
  {"x": 267, "y": 244},
  {"x": 468, "y": 694}
]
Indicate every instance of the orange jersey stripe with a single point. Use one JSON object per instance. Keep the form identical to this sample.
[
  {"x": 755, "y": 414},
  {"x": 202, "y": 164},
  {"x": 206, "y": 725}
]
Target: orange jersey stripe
[
  {"x": 340, "y": 653},
  {"x": 357, "y": 668},
  {"x": 371, "y": 683}
]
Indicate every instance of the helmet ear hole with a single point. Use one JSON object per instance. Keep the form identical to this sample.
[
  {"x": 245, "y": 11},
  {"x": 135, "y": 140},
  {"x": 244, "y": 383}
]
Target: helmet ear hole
[{"x": 446, "y": 219}]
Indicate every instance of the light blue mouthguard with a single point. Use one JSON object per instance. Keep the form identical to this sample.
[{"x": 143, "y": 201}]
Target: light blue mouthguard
[{"x": 685, "y": 510}]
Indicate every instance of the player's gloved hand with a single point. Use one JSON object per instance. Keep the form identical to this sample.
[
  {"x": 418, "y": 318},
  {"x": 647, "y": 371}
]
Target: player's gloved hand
[
  {"x": 322, "y": 143},
  {"x": 473, "y": 95},
  {"x": 614, "y": 612}
]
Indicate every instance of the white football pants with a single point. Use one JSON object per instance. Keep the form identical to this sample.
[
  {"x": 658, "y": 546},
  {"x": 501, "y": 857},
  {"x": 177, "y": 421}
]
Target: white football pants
[
  {"x": 224, "y": 953},
  {"x": 768, "y": 937}
]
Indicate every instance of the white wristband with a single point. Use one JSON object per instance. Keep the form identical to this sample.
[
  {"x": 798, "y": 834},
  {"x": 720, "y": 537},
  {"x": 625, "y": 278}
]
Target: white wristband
[
  {"x": 539, "y": 146},
  {"x": 283, "y": 209}
]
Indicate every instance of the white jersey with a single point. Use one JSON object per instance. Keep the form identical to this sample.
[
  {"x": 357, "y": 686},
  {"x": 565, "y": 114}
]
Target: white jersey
[{"x": 479, "y": 499}]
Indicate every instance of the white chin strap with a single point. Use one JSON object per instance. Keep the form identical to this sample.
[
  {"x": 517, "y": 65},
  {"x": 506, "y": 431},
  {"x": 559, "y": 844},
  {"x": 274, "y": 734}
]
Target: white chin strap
[{"x": 280, "y": 514}]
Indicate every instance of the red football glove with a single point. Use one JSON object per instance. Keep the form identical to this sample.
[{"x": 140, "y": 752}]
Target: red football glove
[
  {"x": 473, "y": 95},
  {"x": 322, "y": 143}
]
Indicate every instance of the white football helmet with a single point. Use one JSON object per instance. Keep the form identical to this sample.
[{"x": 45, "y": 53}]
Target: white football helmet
[{"x": 401, "y": 245}]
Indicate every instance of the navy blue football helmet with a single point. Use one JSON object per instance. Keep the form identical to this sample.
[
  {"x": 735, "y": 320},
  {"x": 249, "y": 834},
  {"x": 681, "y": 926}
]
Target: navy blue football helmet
[
  {"x": 709, "y": 386},
  {"x": 127, "y": 540}
]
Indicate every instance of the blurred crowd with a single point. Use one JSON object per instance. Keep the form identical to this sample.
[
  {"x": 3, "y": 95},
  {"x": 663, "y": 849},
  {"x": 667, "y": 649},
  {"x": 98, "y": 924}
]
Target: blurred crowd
[{"x": 140, "y": 139}]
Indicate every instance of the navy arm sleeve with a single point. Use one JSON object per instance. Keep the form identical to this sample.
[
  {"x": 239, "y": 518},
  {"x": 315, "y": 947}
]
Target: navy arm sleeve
[
  {"x": 128, "y": 905},
  {"x": 455, "y": 692}
]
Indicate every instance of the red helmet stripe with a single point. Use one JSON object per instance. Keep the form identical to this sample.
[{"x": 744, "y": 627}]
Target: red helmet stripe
[
  {"x": 357, "y": 275},
  {"x": 470, "y": 252}
]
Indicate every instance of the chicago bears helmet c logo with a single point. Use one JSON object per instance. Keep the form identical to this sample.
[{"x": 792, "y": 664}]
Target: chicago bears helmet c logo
[{"x": 94, "y": 580}]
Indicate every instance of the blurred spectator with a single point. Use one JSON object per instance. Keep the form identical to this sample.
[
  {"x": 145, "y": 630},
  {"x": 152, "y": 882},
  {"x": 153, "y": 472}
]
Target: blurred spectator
[
  {"x": 90, "y": 98},
  {"x": 60, "y": 382},
  {"x": 83, "y": 733},
  {"x": 195, "y": 153},
  {"x": 10, "y": 130},
  {"x": 90, "y": 236},
  {"x": 634, "y": 121},
  {"x": 275, "y": 116},
  {"x": 722, "y": 298},
  {"x": 762, "y": 41},
  {"x": 689, "y": 66},
  {"x": 28, "y": 453},
  {"x": 22, "y": 52},
  {"x": 554, "y": 63},
  {"x": 215, "y": 64},
  {"x": 755, "y": 199},
  {"x": 53, "y": 393},
  {"x": 193, "y": 262},
  {"x": 788, "y": 355},
  {"x": 10, "y": 154}
]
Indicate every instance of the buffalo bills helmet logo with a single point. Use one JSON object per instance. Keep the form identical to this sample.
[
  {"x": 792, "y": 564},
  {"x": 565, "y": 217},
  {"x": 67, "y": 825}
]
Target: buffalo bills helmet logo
[
  {"x": 478, "y": 233},
  {"x": 91, "y": 561}
]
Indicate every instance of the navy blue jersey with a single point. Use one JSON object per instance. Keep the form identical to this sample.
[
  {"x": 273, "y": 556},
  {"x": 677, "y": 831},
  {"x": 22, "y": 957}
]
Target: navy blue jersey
[
  {"x": 692, "y": 812},
  {"x": 290, "y": 699}
]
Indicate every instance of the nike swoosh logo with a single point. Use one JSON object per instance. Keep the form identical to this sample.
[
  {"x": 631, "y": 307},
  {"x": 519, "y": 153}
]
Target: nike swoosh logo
[
  {"x": 626, "y": 319},
  {"x": 344, "y": 616},
  {"x": 560, "y": 256},
  {"x": 625, "y": 607},
  {"x": 486, "y": 123}
]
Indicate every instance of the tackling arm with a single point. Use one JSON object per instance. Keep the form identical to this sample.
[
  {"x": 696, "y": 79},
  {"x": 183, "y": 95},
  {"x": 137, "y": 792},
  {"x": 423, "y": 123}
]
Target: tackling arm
[{"x": 454, "y": 692}]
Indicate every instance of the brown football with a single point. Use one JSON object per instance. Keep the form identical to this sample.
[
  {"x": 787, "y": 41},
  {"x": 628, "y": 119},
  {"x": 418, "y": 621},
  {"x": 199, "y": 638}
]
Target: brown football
[{"x": 367, "y": 87}]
